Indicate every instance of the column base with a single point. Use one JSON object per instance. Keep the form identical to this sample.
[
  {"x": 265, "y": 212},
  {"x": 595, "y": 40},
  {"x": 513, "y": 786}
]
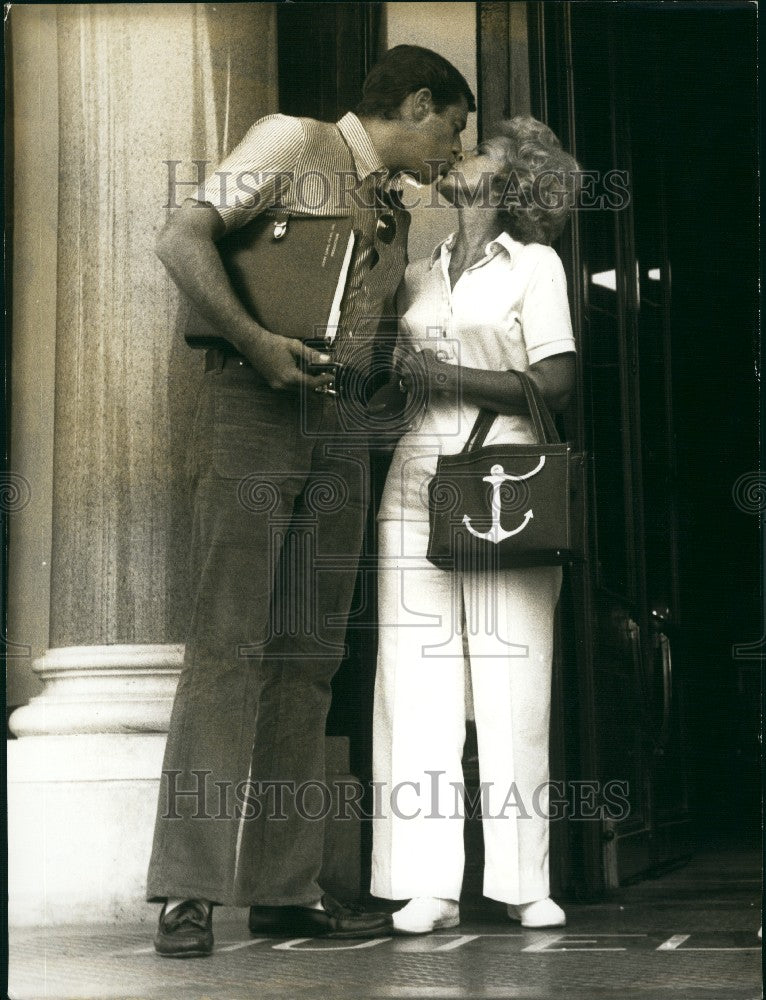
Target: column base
[
  {"x": 81, "y": 814},
  {"x": 102, "y": 689}
]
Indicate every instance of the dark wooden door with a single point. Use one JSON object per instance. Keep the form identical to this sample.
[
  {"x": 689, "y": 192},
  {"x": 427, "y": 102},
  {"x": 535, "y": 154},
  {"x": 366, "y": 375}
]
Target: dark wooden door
[
  {"x": 325, "y": 50},
  {"x": 623, "y": 269}
]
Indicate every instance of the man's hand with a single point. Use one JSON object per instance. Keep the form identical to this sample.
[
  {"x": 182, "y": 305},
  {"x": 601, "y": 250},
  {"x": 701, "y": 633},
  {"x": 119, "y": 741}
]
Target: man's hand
[{"x": 281, "y": 360}]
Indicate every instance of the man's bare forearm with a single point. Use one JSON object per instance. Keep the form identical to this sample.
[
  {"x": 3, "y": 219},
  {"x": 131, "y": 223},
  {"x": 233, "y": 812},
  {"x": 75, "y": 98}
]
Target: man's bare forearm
[{"x": 187, "y": 248}]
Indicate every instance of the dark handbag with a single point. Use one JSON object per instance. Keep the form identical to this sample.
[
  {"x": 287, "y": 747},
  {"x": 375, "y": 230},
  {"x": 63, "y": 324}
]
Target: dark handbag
[{"x": 509, "y": 505}]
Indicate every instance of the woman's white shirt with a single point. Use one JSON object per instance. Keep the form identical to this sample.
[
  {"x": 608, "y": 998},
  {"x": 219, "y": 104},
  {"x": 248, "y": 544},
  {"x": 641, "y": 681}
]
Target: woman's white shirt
[{"x": 509, "y": 310}]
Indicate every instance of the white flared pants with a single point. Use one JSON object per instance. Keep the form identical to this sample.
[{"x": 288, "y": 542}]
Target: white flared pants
[{"x": 419, "y": 721}]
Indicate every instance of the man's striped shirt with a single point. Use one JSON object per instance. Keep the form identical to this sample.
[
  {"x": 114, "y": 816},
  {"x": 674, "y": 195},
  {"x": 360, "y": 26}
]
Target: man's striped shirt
[{"x": 311, "y": 168}]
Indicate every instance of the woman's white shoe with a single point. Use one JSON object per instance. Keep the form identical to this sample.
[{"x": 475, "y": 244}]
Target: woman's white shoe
[
  {"x": 425, "y": 914},
  {"x": 541, "y": 913}
]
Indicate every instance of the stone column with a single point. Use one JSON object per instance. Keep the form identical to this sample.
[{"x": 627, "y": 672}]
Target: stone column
[{"x": 138, "y": 85}]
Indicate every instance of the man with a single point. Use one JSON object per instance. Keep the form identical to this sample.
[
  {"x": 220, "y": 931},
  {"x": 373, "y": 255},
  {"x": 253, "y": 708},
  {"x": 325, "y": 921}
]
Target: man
[{"x": 280, "y": 493}]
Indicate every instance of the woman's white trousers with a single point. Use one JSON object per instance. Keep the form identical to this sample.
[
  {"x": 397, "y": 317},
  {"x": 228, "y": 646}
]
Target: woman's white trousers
[{"x": 420, "y": 713}]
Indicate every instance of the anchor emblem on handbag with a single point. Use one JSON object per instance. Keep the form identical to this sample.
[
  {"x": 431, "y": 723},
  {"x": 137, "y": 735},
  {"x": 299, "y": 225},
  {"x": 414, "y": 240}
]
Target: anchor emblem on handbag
[
  {"x": 496, "y": 478},
  {"x": 545, "y": 481}
]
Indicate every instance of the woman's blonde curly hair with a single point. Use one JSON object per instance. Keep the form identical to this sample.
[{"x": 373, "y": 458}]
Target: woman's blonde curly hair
[{"x": 537, "y": 184}]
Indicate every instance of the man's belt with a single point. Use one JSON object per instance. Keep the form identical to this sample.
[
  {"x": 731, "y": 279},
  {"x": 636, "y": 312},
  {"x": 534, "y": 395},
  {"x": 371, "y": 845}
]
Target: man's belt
[{"x": 217, "y": 357}]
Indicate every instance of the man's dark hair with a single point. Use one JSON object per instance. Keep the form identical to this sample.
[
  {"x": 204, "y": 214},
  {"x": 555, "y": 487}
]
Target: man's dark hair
[{"x": 405, "y": 69}]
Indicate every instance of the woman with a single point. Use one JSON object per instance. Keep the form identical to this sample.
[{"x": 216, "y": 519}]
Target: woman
[{"x": 492, "y": 299}]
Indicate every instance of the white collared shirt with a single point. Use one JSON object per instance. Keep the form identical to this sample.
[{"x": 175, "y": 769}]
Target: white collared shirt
[{"x": 509, "y": 310}]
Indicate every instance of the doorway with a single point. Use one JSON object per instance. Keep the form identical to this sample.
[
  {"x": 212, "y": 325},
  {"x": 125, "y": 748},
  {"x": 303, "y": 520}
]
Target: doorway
[{"x": 664, "y": 289}]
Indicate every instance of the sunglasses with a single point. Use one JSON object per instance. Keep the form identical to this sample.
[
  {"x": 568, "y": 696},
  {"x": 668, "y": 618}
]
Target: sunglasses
[
  {"x": 385, "y": 232},
  {"x": 385, "y": 228}
]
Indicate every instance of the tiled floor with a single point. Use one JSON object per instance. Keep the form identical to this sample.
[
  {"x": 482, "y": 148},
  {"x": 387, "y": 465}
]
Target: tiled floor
[{"x": 691, "y": 935}]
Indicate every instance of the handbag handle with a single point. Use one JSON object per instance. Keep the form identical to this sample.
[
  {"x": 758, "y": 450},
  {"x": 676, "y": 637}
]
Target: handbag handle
[{"x": 545, "y": 429}]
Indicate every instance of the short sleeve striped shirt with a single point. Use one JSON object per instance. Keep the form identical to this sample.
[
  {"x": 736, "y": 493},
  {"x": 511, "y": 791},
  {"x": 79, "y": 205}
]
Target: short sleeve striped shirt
[{"x": 311, "y": 168}]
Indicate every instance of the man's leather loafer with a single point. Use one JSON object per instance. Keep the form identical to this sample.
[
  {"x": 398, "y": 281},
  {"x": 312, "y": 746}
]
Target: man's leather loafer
[
  {"x": 334, "y": 920},
  {"x": 185, "y": 932}
]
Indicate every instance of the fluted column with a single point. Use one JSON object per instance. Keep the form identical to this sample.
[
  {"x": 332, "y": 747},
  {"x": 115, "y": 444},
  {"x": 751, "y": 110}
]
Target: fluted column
[{"x": 139, "y": 85}]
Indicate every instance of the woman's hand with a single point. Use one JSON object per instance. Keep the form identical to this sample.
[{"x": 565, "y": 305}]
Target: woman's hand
[{"x": 427, "y": 373}]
